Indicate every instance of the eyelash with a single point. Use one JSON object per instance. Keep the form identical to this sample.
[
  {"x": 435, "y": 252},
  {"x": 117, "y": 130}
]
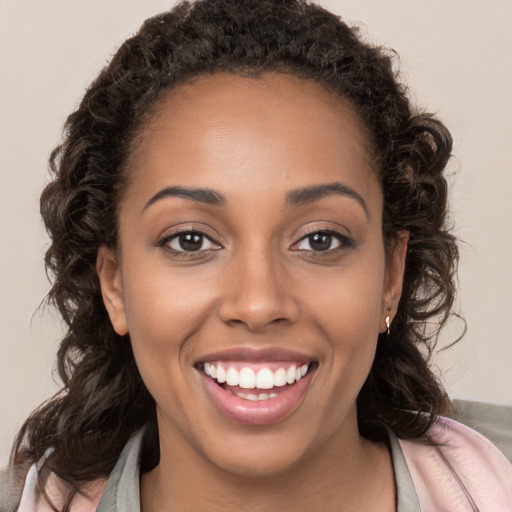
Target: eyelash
[
  {"x": 345, "y": 242},
  {"x": 164, "y": 243}
]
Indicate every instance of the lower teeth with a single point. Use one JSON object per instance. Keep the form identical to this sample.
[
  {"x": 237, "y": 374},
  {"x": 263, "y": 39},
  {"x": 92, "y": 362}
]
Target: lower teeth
[{"x": 254, "y": 398}]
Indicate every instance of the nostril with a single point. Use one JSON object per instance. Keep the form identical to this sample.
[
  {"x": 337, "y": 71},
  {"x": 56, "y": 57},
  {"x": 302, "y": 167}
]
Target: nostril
[
  {"x": 258, "y": 316},
  {"x": 255, "y": 295}
]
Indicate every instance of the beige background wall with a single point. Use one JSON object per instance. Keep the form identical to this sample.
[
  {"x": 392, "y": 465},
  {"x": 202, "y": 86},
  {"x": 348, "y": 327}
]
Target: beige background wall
[{"x": 456, "y": 55}]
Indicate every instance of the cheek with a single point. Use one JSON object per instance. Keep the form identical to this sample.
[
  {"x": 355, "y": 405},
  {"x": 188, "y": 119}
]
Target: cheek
[
  {"x": 163, "y": 307},
  {"x": 351, "y": 301},
  {"x": 348, "y": 312},
  {"x": 163, "y": 312}
]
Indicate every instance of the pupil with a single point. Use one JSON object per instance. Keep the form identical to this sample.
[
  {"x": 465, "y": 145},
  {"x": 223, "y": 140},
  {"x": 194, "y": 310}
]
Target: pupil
[
  {"x": 320, "y": 241},
  {"x": 191, "y": 241}
]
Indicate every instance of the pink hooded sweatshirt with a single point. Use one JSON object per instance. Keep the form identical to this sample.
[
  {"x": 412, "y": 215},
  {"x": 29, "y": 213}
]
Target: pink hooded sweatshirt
[{"x": 462, "y": 472}]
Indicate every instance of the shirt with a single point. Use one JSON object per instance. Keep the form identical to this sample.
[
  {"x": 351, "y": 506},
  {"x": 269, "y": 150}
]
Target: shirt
[{"x": 459, "y": 471}]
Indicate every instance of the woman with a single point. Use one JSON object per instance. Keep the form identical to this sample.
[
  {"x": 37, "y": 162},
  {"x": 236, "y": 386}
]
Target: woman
[{"x": 248, "y": 238}]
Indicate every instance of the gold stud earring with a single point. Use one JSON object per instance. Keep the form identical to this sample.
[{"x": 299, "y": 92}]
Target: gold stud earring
[{"x": 388, "y": 323}]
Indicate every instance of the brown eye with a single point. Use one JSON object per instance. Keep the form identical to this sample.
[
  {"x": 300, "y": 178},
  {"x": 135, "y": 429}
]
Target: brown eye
[
  {"x": 322, "y": 241},
  {"x": 190, "y": 242}
]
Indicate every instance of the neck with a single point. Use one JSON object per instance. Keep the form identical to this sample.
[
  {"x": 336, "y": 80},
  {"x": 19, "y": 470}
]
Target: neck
[{"x": 346, "y": 473}]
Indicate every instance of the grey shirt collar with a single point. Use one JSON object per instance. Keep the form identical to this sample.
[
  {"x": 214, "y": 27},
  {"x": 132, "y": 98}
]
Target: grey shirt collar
[{"x": 121, "y": 493}]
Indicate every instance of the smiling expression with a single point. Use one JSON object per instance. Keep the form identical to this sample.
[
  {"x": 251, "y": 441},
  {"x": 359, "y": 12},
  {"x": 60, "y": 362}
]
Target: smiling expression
[{"x": 252, "y": 278}]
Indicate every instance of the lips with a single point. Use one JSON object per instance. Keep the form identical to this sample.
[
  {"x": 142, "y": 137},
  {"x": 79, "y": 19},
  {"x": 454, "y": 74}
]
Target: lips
[{"x": 256, "y": 387}]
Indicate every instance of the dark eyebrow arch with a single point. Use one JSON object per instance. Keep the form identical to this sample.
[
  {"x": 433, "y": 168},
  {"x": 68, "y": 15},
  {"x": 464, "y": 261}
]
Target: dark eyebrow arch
[
  {"x": 307, "y": 195},
  {"x": 201, "y": 195}
]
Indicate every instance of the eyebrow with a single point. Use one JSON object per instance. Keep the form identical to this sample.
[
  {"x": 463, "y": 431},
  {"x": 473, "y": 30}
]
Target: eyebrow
[
  {"x": 314, "y": 193},
  {"x": 201, "y": 195},
  {"x": 294, "y": 198}
]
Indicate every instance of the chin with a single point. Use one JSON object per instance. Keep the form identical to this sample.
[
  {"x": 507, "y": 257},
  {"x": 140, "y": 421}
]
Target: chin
[{"x": 262, "y": 460}]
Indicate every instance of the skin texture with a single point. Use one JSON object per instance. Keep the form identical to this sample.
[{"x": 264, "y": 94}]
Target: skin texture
[{"x": 256, "y": 283}]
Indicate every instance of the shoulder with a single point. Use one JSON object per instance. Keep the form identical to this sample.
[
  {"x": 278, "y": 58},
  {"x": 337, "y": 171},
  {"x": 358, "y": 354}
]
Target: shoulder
[
  {"x": 459, "y": 469},
  {"x": 19, "y": 492},
  {"x": 11, "y": 487},
  {"x": 492, "y": 421},
  {"x": 22, "y": 492}
]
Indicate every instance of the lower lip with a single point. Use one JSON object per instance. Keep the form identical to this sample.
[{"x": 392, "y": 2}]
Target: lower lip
[{"x": 262, "y": 412}]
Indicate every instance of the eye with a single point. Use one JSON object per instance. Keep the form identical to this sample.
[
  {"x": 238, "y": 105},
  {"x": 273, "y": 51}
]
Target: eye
[
  {"x": 188, "y": 241},
  {"x": 322, "y": 241}
]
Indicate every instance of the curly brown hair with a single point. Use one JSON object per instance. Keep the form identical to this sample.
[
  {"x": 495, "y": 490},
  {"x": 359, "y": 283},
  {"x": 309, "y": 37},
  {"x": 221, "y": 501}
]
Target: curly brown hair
[{"x": 104, "y": 400}]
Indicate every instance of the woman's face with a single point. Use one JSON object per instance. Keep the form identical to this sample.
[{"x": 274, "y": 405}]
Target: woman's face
[{"x": 251, "y": 252}]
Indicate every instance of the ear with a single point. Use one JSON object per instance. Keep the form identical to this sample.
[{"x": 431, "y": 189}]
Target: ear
[
  {"x": 109, "y": 273},
  {"x": 395, "y": 267}
]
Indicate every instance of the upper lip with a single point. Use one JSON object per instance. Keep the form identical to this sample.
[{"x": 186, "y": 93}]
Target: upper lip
[{"x": 251, "y": 354}]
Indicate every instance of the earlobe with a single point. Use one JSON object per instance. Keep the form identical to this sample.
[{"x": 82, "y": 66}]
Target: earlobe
[
  {"x": 109, "y": 273},
  {"x": 395, "y": 269}
]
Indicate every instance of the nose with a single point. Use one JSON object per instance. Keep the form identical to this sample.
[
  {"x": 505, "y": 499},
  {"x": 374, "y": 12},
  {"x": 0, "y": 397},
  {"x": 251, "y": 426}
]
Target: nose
[{"x": 258, "y": 293}]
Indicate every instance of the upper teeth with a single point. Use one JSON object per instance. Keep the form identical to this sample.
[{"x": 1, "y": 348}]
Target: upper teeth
[{"x": 247, "y": 378}]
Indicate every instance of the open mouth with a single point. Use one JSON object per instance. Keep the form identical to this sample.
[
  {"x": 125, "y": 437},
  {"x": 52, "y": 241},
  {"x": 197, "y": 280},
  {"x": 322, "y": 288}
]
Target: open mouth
[
  {"x": 255, "y": 382},
  {"x": 256, "y": 392}
]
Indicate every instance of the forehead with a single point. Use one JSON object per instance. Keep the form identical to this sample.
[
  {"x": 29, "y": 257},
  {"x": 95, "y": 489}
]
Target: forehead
[{"x": 273, "y": 130}]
